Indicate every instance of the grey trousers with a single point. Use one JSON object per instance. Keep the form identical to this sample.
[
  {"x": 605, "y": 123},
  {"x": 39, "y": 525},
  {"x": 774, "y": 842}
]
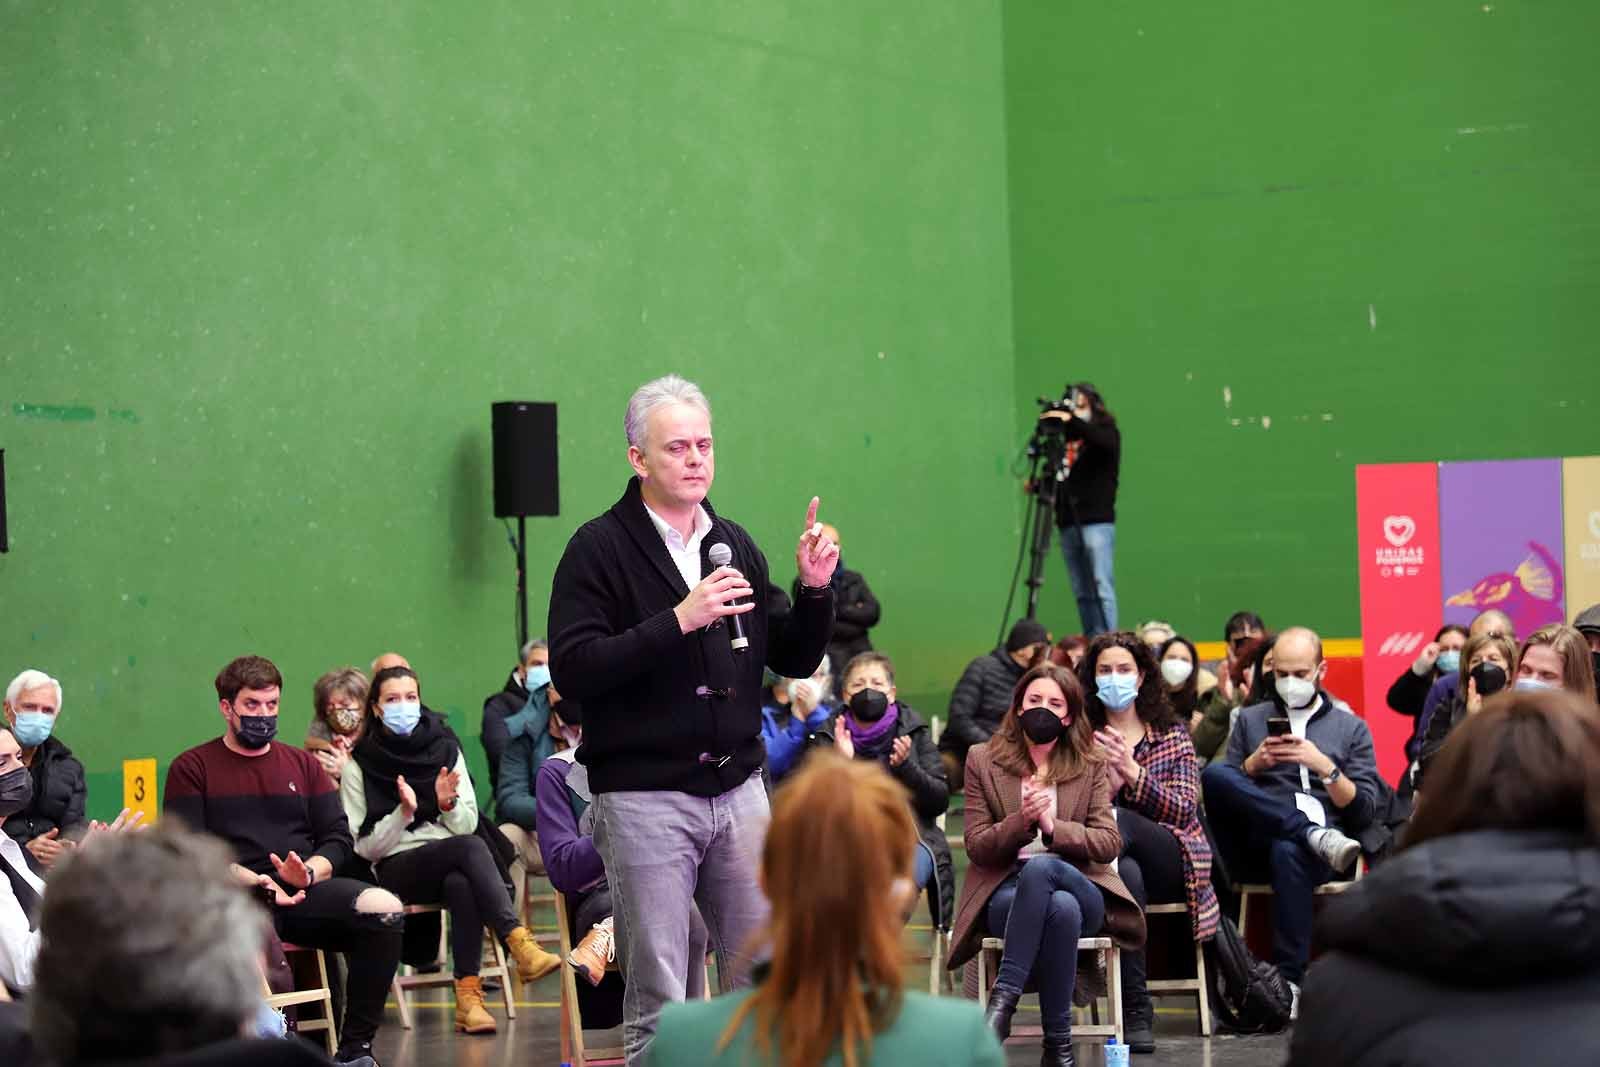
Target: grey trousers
[{"x": 665, "y": 852}]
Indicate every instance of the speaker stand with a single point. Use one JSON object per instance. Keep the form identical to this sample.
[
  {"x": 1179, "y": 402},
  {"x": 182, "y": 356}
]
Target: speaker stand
[{"x": 522, "y": 583}]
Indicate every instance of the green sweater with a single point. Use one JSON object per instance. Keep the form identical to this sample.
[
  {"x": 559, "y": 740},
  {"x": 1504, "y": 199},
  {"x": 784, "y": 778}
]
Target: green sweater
[{"x": 929, "y": 1032}]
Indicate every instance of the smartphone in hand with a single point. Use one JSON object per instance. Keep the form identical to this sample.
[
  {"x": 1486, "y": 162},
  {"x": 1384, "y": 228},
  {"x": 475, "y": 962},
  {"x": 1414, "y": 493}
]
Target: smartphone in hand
[{"x": 1278, "y": 726}]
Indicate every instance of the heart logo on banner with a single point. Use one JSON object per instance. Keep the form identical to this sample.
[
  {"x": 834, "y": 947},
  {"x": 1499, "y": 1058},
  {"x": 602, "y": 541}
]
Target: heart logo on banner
[
  {"x": 1594, "y": 524},
  {"x": 1400, "y": 529}
]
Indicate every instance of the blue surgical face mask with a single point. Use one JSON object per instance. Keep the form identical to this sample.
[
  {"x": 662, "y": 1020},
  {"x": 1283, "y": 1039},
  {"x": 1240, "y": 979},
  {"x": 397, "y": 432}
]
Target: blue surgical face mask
[
  {"x": 1449, "y": 661},
  {"x": 1531, "y": 685},
  {"x": 1117, "y": 691},
  {"x": 536, "y": 677},
  {"x": 401, "y": 718},
  {"x": 33, "y": 727}
]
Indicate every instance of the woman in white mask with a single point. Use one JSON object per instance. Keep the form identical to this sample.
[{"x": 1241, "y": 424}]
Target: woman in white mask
[{"x": 1180, "y": 673}]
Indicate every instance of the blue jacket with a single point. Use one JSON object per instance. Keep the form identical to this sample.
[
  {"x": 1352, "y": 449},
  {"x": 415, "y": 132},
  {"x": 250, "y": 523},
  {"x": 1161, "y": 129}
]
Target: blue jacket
[
  {"x": 530, "y": 745},
  {"x": 786, "y": 735},
  {"x": 1341, "y": 735}
]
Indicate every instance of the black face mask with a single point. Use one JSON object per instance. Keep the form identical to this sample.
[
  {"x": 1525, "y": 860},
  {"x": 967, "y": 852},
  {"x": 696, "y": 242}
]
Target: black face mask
[
  {"x": 1490, "y": 678},
  {"x": 256, "y": 731},
  {"x": 1041, "y": 725},
  {"x": 869, "y": 705},
  {"x": 16, "y": 791}
]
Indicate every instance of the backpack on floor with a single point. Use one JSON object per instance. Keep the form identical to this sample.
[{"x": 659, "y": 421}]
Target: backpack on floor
[{"x": 1249, "y": 996}]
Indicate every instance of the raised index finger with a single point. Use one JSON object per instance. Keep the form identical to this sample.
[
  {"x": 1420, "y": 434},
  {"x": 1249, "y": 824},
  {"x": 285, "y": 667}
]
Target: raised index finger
[{"x": 811, "y": 513}]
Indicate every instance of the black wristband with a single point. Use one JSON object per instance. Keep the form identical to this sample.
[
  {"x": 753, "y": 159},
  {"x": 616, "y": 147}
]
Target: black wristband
[{"x": 813, "y": 590}]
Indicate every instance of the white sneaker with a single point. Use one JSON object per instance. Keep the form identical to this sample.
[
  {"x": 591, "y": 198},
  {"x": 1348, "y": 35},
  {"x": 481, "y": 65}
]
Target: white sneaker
[
  {"x": 1294, "y": 1003},
  {"x": 1337, "y": 850}
]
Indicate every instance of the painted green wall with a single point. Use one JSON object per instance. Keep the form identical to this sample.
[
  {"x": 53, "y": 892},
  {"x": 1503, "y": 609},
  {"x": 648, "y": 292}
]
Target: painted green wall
[
  {"x": 267, "y": 266},
  {"x": 1375, "y": 225}
]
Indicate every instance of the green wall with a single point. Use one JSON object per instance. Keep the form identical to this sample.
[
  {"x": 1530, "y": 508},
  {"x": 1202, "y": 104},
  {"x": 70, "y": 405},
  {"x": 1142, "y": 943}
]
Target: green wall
[
  {"x": 1376, "y": 225},
  {"x": 267, "y": 266}
]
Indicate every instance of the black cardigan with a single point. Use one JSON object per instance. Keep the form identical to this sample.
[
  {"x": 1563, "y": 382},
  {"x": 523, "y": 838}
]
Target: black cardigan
[
  {"x": 1090, "y": 495},
  {"x": 663, "y": 709}
]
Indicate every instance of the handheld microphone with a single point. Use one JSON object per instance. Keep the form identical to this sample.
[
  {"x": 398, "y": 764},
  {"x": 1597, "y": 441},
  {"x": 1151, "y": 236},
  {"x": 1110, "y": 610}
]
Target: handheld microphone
[{"x": 722, "y": 556}]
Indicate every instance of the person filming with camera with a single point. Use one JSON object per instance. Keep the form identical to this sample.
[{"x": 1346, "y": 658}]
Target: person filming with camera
[{"x": 1086, "y": 502}]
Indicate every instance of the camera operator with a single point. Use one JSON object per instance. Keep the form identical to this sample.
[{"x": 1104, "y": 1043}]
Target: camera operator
[{"x": 1086, "y": 503}]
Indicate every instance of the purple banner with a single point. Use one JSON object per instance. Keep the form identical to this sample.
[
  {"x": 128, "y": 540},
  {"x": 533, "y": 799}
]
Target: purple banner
[{"x": 1501, "y": 541}]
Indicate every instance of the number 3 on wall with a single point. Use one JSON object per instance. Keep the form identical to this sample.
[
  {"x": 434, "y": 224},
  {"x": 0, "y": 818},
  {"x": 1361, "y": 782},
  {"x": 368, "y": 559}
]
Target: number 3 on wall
[{"x": 138, "y": 787}]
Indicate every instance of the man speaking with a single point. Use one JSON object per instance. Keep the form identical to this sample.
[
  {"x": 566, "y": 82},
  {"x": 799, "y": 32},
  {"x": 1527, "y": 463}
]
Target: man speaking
[{"x": 665, "y": 649}]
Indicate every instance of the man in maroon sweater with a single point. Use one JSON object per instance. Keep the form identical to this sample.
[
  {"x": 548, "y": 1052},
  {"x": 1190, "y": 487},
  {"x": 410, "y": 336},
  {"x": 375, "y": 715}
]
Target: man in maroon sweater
[{"x": 280, "y": 812}]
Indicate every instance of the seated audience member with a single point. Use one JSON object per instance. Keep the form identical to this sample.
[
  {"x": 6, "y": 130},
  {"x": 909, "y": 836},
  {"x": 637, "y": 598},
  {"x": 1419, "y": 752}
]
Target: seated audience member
[
  {"x": 983, "y": 694},
  {"x": 542, "y": 730},
  {"x": 1236, "y": 680},
  {"x": 566, "y": 826},
  {"x": 1155, "y": 633},
  {"x": 530, "y": 675},
  {"x": 1293, "y": 803},
  {"x": 877, "y": 726},
  {"x": 1180, "y": 676},
  {"x": 54, "y": 818},
  {"x": 1588, "y": 624},
  {"x": 280, "y": 813},
  {"x": 1476, "y": 943},
  {"x": 1068, "y": 652},
  {"x": 336, "y": 720},
  {"x": 1555, "y": 657},
  {"x": 1438, "y": 657},
  {"x": 1489, "y": 663},
  {"x": 1155, "y": 784},
  {"x": 855, "y": 611},
  {"x": 1242, "y": 627},
  {"x": 1041, "y": 835},
  {"x": 786, "y": 728},
  {"x": 409, "y": 796},
  {"x": 1444, "y": 687},
  {"x": 150, "y": 955},
  {"x": 833, "y": 992}
]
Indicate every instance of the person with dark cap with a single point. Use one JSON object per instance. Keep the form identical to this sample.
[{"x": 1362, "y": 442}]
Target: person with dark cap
[
  {"x": 983, "y": 695},
  {"x": 1588, "y": 624}
]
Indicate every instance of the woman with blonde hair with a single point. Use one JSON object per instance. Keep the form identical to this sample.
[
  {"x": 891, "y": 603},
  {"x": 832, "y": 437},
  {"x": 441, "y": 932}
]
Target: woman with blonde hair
[
  {"x": 838, "y": 853},
  {"x": 1488, "y": 664},
  {"x": 1041, "y": 834}
]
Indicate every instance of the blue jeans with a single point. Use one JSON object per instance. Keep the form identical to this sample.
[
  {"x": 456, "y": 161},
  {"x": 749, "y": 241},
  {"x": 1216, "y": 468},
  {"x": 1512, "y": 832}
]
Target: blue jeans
[
  {"x": 1041, "y": 912},
  {"x": 1088, "y": 551},
  {"x": 1256, "y": 829}
]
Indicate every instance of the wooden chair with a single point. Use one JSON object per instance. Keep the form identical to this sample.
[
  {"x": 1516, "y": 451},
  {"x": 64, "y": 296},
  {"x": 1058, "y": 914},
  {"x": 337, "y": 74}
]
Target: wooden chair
[
  {"x": 409, "y": 979},
  {"x": 1110, "y": 959},
  {"x": 573, "y": 1049},
  {"x": 322, "y": 994},
  {"x": 1180, "y": 986},
  {"x": 1326, "y": 889}
]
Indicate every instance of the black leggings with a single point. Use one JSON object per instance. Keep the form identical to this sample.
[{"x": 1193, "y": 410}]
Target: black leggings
[
  {"x": 1151, "y": 864},
  {"x": 327, "y": 919},
  {"x": 460, "y": 874}
]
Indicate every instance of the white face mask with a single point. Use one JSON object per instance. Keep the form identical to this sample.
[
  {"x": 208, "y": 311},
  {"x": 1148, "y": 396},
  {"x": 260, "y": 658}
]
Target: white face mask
[
  {"x": 1176, "y": 671},
  {"x": 1296, "y": 692}
]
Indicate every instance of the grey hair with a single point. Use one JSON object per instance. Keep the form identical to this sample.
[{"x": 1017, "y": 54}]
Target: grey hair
[
  {"x": 537, "y": 642},
  {"x": 651, "y": 395},
  {"x": 149, "y": 947},
  {"x": 32, "y": 679}
]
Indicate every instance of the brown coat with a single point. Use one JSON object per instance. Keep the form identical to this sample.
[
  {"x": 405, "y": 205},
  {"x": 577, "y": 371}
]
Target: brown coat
[{"x": 1086, "y": 836}]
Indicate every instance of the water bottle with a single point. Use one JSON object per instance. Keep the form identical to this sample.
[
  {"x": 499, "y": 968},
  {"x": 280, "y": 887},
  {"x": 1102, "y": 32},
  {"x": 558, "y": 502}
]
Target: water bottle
[{"x": 1116, "y": 1053}]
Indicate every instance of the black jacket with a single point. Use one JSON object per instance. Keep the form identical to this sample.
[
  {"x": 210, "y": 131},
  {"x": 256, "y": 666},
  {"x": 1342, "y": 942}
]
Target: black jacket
[
  {"x": 59, "y": 794},
  {"x": 922, "y": 773},
  {"x": 980, "y": 700},
  {"x": 663, "y": 709},
  {"x": 1090, "y": 494},
  {"x": 1450, "y": 713},
  {"x": 1479, "y": 948},
  {"x": 855, "y": 611},
  {"x": 1407, "y": 696},
  {"x": 504, "y": 704}
]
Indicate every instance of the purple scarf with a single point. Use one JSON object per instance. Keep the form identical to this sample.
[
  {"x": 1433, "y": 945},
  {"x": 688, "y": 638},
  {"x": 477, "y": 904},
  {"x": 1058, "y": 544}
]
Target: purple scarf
[{"x": 873, "y": 738}]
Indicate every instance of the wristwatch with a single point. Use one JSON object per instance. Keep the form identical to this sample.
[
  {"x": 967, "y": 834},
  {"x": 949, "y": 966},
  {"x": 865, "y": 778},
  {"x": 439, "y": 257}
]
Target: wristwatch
[{"x": 1332, "y": 776}]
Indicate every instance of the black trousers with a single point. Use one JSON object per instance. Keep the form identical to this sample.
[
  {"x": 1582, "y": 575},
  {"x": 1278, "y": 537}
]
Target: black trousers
[
  {"x": 327, "y": 919},
  {"x": 459, "y": 873},
  {"x": 1151, "y": 866}
]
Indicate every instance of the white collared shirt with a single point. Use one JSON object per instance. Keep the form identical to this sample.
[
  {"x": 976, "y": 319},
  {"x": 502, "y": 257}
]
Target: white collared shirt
[
  {"x": 19, "y": 946},
  {"x": 685, "y": 554}
]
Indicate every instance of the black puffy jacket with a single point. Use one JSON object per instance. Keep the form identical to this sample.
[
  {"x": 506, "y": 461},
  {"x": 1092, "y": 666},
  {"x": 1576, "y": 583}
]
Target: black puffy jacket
[
  {"x": 59, "y": 795},
  {"x": 1478, "y": 948}
]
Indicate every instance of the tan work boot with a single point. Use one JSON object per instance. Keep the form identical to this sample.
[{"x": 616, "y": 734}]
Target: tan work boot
[
  {"x": 597, "y": 949},
  {"x": 471, "y": 1016},
  {"x": 533, "y": 962}
]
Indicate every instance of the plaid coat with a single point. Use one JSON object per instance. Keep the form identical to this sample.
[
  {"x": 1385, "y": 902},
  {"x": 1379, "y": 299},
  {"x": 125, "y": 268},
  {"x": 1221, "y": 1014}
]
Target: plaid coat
[{"x": 1168, "y": 792}]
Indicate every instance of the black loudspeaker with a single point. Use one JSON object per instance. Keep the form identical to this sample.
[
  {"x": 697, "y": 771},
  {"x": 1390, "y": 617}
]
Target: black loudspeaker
[
  {"x": 526, "y": 480},
  {"x": 5, "y": 544}
]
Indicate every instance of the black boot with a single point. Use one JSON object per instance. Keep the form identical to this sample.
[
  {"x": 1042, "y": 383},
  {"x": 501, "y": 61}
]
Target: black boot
[
  {"x": 1058, "y": 1049},
  {"x": 1002, "y": 1005},
  {"x": 1138, "y": 1014},
  {"x": 1139, "y": 1031}
]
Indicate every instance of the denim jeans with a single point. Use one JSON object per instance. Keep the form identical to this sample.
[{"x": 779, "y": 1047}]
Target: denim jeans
[
  {"x": 664, "y": 853},
  {"x": 1041, "y": 912},
  {"x": 1088, "y": 551},
  {"x": 1257, "y": 831}
]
